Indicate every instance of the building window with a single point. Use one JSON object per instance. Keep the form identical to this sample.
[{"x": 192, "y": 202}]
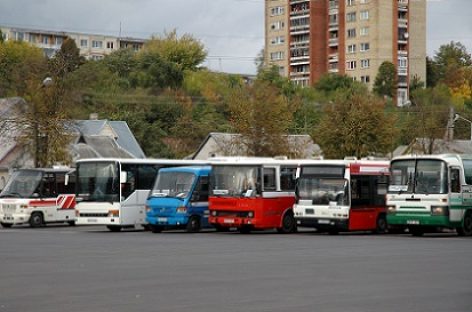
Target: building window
[
  {"x": 403, "y": 62},
  {"x": 277, "y": 56},
  {"x": 109, "y": 45},
  {"x": 364, "y": 1},
  {"x": 365, "y": 63},
  {"x": 33, "y": 38},
  {"x": 351, "y": 48},
  {"x": 277, "y": 25},
  {"x": 364, "y": 15},
  {"x": 277, "y": 40},
  {"x": 84, "y": 43},
  {"x": 59, "y": 40},
  {"x": 351, "y": 17},
  {"x": 365, "y": 79},
  {"x": 364, "y": 31},
  {"x": 365, "y": 47},
  {"x": 350, "y": 65},
  {"x": 351, "y": 33},
  {"x": 97, "y": 44},
  {"x": 44, "y": 40},
  {"x": 277, "y": 11},
  {"x": 350, "y": 2},
  {"x": 20, "y": 36}
]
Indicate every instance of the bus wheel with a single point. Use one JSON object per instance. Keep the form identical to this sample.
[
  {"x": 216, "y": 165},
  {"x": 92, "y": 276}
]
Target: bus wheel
[
  {"x": 193, "y": 225},
  {"x": 6, "y": 225},
  {"x": 71, "y": 223},
  {"x": 155, "y": 228},
  {"x": 466, "y": 229},
  {"x": 381, "y": 225},
  {"x": 416, "y": 231},
  {"x": 114, "y": 228},
  {"x": 244, "y": 229},
  {"x": 288, "y": 224},
  {"x": 36, "y": 219},
  {"x": 220, "y": 228}
]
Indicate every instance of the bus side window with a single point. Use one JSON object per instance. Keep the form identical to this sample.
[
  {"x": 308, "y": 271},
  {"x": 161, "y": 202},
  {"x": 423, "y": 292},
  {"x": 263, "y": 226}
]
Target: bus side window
[
  {"x": 455, "y": 181},
  {"x": 287, "y": 178},
  {"x": 49, "y": 186},
  {"x": 129, "y": 186},
  {"x": 201, "y": 190},
  {"x": 269, "y": 179}
]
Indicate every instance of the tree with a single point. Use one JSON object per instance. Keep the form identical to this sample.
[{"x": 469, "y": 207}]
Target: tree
[
  {"x": 452, "y": 54},
  {"x": 385, "y": 82},
  {"x": 260, "y": 60},
  {"x": 1, "y": 37},
  {"x": 67, "y": 59},
  {"x": 355, "y": 125},
  {"x": 262, "y": 115},
  {"x": 330, "y": 83},
  {"x": 187, "y": 52}
]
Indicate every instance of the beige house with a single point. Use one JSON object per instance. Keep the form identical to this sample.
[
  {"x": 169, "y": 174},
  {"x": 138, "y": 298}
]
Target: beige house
[
  {"x": 92, "y": 46},
  {"x": 229, "y": 144}
]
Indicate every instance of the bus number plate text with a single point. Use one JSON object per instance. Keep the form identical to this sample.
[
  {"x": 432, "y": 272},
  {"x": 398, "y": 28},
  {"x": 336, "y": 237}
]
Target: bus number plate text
[{"x": 413, "y": 222}]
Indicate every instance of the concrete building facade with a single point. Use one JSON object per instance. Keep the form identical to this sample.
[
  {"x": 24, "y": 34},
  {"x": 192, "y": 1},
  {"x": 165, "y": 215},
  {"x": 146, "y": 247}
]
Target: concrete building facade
[
  {"x": 351, "y": 37},
  {"x": 91, "y": 46}
]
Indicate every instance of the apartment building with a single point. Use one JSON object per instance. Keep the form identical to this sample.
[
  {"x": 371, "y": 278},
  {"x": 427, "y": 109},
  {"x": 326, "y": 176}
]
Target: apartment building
[
  {"x": 92, "y": 46},
  {"x": 277, "y": 35},
  {"x": 351, "y": 37}
]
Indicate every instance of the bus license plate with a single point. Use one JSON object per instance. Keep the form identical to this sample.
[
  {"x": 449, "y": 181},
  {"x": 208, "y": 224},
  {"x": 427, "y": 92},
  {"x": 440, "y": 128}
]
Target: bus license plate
[
  {"x": 323, "y": 221},
  {"x": 413, "y": 222},
  {"x": 228, "y": 220},
  {"x": 161, "y": 219},
  {"x": 92, "y": 220}
]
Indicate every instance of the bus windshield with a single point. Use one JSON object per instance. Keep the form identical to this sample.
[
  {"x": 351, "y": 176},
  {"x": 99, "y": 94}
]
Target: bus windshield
[
  {"x": 98, "y": 182},
  {"x": 234, "y": 180},
  {"x": 423, "y": 176},
  {"x": 322, "y": 191},
  {"x": 23, "y": 184},
  {"x": 173, "y": 184}
]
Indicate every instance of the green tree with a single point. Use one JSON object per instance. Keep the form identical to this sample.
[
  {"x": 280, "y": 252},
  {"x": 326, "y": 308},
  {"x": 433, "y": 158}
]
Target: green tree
[
  {"x": 1, "y": 37},
  {"x": 385, "y": 82},
  {"x": 261, "y": 114},
  {"x": 66, "y": 60},
  {"x": 453, "y": 54},
  {"x": 355, "y": 125},
  {"x": 187, "y": 52},
  {"x": 330, "y": 83}
]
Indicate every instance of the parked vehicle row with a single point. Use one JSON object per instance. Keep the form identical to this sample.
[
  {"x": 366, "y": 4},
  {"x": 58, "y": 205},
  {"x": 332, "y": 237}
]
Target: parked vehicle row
[{"x": 418, "y": 193}]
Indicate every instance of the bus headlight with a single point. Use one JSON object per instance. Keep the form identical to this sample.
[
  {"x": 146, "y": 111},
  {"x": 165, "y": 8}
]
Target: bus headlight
[
  {"x": 439, "y": 210},
  {"x": 214, "y": 213},
  {"x": 113, "y": 213},
  {"x": 182, "y": 209},
  {"x": 391, "y": 209},
  {"x": 250, "y": 214},
  {"x": 148, "y": 208}
]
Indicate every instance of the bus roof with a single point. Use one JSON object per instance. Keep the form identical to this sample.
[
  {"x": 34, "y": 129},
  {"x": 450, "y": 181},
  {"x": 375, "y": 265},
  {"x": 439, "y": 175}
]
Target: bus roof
[
  {"x": 252, "y": 161},
  {"x": 199, "y": 170},
  {"x": 453, "y": 159},
  {"x": 151, "y": 161},
  {"x": 47, "y": 170}
]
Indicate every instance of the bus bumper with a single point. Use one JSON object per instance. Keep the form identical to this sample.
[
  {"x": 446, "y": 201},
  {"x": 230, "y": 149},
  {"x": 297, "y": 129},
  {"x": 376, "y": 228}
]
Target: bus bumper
[
  {"x": 15, "y": 218},
  {"x": 324, "y": 224},
  {"x": 228, "y": 222},
  {"x": 168, "y": 222},
  {"x": 419, "y": 220}
]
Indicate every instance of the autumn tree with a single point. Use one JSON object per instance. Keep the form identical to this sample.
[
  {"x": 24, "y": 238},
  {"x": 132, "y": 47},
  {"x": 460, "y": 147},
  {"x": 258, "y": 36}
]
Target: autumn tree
[
  {"x": 385, "y": 82},
  {"x": 355, "y": 124},
  {"x": 262, "y": 115}
]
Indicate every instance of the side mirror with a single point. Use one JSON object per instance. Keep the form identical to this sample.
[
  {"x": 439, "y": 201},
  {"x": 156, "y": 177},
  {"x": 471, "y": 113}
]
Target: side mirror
[
  {"x": 66, "y": 180},
  {"x": 35, "y": 195},
  {"x": 123, "y": 176}
]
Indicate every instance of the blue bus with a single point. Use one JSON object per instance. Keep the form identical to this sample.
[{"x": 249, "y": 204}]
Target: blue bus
[{"x": 179, "y": 199}]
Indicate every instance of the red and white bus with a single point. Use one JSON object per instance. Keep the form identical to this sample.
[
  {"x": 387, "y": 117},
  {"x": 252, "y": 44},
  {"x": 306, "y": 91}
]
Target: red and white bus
[
  {"x": 37, "y": 197},
  {"x": 252, "y": 194},
  {"x": 342, "y": 195}
]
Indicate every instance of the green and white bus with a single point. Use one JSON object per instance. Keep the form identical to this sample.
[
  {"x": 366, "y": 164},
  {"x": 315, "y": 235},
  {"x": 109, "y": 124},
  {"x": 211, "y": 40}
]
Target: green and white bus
[{"x": 429, "y": 192}]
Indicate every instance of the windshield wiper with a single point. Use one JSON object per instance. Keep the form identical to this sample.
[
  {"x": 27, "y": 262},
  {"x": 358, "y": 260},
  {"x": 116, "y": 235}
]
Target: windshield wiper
[{"x": 12, "y": 194}]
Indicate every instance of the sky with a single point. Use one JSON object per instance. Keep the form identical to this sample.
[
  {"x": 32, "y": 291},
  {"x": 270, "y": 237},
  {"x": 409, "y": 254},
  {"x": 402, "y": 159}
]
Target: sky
[{"x": 232, "y": 31}]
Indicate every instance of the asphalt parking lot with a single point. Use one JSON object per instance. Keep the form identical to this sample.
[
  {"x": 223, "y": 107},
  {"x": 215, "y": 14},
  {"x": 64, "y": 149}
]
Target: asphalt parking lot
[{"x": 61, "y": 268}]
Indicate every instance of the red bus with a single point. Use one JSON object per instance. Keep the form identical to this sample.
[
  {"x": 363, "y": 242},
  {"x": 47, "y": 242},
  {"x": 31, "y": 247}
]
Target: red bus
[
  {"x": 342, "y": 195},
  {"x": 253, "y": 194}
]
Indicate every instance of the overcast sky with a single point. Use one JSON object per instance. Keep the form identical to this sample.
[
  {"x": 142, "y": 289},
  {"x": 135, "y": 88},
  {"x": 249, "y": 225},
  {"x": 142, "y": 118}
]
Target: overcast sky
[{"x": 231, "y": 30}]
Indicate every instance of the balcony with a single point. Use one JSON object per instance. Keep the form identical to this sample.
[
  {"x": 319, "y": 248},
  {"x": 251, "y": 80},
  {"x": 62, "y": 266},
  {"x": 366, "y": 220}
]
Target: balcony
[
  {"x": 300, "y": 60},
  {"x": 298, "y": 1},
  {"x": 402, "y": 23},
  {"x": 402, "y": 71},
  {"x": 333, "y": 42},
  {"x": 402, "y": 52}
]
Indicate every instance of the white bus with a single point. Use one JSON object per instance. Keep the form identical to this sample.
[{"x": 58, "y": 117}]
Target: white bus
[
  {"x": 38, "y": 196},
  {"x": 113, "y": 191},
  {"x": 431, "y": 191}
]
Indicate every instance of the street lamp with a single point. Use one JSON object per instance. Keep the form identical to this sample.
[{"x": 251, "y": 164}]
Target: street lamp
[
  {"x": 44, "y": 84},
  {"x": 457, "y": 117}
]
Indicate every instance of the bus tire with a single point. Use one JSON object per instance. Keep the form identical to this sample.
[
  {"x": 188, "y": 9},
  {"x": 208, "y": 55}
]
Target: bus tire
[
  {"x": 220, "y": 228},
  {"x": 245, "y": 229},
  {"x": 288, "y": 224},
  {"x": 36, "y": 220},
  {"x": 155, "y": 228},
  {"x": 381, "y": 225},
  {"x": 466, "y": 229},
  {"x": 71, "y": 223},
  {"x": 416, "y": 231},
  {"x": 193, "y": 224},
  {"x": 114, "y": 228},
  {"x": 6, "y": 225}
]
